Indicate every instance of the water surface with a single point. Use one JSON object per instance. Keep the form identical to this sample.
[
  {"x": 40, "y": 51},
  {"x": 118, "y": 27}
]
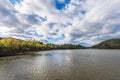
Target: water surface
[{"x": 87, "y": 64}]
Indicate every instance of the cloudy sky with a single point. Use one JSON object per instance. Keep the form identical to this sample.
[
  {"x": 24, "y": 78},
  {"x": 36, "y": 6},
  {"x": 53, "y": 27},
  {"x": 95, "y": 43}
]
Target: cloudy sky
[{"x": 85, "y": 22}]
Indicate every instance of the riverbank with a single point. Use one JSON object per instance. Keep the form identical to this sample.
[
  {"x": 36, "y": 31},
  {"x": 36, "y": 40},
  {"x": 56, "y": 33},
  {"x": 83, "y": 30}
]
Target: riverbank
[
  {"x": 32, "y": 52},
  {"x": 12, "y": 46}
]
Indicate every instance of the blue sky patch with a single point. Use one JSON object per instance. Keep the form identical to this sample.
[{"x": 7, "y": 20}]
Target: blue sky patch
[
  {"x": 57, "y": 30},
  {"x": 35, "y": 18},
  {"x": 83, "y": 12},
  {"x": 13, "y": 2},
  {"x": 34, "y": 32},
  {"x": 43, "y": 18},
  {"x": 55, "y": 40},
  {"x": 60, "y": 6}
]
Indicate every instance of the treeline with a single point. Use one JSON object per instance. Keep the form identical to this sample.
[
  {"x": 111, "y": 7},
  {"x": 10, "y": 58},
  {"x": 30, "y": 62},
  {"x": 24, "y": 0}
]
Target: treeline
[
  {"x": 108, "y": 44},
  {"x": 69, "y": 46},
  {"x": 12, "y": 46}
]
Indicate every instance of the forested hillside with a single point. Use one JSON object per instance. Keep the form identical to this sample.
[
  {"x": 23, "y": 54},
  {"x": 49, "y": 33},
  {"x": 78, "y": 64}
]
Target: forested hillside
[
  {"x": 109, "y": 44},
  {"x": 11, "y": 46}
]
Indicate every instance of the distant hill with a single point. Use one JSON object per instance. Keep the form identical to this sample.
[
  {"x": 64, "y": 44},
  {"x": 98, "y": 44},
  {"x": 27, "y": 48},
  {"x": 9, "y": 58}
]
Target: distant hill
[{"x": 108, "y": 44}]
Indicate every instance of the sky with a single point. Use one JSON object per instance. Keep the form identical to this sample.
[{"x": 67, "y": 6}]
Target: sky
[{"x": 85, "y": 22}]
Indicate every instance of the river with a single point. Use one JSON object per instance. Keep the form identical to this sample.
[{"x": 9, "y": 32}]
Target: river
[{"x": 79, "y": 64}]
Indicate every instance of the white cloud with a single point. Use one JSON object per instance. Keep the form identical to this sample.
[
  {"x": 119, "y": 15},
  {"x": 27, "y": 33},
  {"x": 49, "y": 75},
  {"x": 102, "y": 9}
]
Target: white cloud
[{"x": 101, "y": 20}]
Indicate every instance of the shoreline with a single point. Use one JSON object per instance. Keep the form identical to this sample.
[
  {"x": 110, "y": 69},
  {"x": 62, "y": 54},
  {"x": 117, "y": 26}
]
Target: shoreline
[
  {"x": 29, "y": 52},
  {"x": 32, "y": 52}
]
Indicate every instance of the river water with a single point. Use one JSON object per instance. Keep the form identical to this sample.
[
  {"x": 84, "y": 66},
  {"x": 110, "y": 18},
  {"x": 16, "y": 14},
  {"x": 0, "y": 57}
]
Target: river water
[{"x": 80, "y": 64}]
